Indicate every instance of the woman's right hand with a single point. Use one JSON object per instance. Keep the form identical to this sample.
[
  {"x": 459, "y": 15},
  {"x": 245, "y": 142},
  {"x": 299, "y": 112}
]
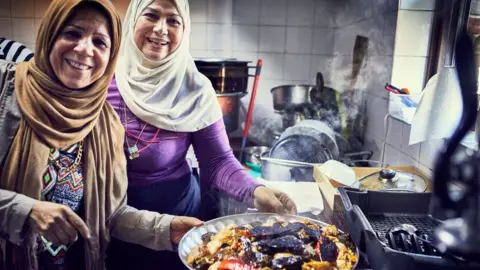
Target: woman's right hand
[{"x": 57, "y": 223}]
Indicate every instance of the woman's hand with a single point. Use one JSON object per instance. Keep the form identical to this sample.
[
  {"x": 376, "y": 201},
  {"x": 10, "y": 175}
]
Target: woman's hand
[
  {"x": 273, "y": 201},
  {"x": 181, "y": 225},
  {"x": 57, "y": 223}
]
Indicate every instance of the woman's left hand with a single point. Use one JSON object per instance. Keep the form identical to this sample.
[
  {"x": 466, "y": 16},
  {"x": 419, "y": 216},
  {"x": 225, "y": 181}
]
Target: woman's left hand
[
  {"x": 273, "y": 201},
  {"x": 180, "y": 225}
]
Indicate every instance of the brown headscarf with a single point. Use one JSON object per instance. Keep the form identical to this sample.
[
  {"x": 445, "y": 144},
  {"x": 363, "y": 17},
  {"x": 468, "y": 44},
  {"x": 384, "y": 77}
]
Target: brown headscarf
[{"x": 55, "y": 116}]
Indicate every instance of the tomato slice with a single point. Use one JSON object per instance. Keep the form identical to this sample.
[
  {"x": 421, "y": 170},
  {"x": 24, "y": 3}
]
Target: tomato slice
[
  {"x": 234, "y": 264},
  {"x": 317, "y": 250}
]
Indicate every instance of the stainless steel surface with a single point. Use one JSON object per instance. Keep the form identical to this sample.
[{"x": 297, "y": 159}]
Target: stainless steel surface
[
  {"x": 303, "y": 148},
  {"x": 193, "y": 237},
  {"x": 230, "y": 105},
  {"x": 291, "y": 95},
  {"x": 318, "y": 130},
  {"x": 226, "y": 75},
  {"x": 253, "y": 154},
  {"x": 286, "y": 170},
  {"x": 288, "y": 162},
  {"x": 275, "y": 138},
  {"x": 292, "y": 119}
]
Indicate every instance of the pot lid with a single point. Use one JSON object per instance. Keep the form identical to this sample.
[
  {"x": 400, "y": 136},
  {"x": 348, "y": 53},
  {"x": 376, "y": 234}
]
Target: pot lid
[{"x": 391, "y": 180}]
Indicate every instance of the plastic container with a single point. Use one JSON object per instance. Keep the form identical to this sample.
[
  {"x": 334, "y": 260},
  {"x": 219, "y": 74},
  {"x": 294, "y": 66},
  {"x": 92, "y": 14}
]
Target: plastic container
[{"x": 404, "y": 106}]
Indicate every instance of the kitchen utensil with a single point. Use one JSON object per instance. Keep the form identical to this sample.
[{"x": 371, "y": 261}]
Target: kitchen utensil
[
  {"x": 301, "y": 148},
  {"x": 320, "y": 82},
  {"x": 360, "y": 49},
  {"x": 318, "y": 130},
  {"x": 250, "y": 107},
  {"x": 230, "y": 105},
  {"x": 193, "y": 237},
  {"x": 326, "y": 96},
  {"x": 292, "y": 118},
  {"x": 339, "y": 174},
  {"x": 285, "y": 96},
  {"x": 392, "y": 89},
  {"x": 265, "y": 157},
  {"x": 392, "y": 180},
  {"x": 286, "y": 170},
  {"x": 459, "y": 233},
  {"x": 228, "y": 75},
  {"x": 253, "y": 154},
  {"x": 349, "y": 114},
  {"x": 396, "y": 90},
  {"x": 360, "y": 159}
]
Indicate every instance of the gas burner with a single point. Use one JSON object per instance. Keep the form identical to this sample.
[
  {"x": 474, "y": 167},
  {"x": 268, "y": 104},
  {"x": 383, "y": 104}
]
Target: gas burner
[{"x": 407, "y": 238}]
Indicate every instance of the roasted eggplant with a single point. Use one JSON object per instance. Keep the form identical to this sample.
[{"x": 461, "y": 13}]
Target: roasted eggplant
[
  {"x": 287, "y": 243},
  {"x": 274, "y": 245}
]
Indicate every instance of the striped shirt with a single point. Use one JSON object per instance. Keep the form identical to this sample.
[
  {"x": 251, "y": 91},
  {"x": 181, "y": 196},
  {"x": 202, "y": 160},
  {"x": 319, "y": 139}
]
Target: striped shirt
[{"x": 14, "y": 51}]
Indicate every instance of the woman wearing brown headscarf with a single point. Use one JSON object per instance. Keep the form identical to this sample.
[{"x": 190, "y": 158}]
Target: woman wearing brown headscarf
[{"x": 61, "y": 154}]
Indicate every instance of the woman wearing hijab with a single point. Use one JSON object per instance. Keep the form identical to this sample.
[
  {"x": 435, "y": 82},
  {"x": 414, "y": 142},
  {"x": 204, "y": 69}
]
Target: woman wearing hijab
[
  {"x": 63, "y": 171},
  {"x": 166, "y": 105}
]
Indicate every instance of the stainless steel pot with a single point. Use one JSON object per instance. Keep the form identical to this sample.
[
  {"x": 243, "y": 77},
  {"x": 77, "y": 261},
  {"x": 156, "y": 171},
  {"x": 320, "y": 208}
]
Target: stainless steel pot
[
  {"x": 286, "y": 170},
  {"x": 230, "y": 105},
  {"x": 291, "y": 95},
  {"x": 253, "y": 154},
  {"x": 227, "y": 75},
  {"x": 291, "y": 119}
]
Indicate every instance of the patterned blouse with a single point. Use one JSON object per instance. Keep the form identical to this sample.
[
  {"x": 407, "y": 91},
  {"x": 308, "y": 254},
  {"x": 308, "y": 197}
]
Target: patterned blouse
[{"x": 62, "y": 187}]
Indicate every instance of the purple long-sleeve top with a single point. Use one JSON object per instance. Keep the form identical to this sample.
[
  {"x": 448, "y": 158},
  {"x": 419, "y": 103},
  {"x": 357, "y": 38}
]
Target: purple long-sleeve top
[{"x": 163, "y": 158}]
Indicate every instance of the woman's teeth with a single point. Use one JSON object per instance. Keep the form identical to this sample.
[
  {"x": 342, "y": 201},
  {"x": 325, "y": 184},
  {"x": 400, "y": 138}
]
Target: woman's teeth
[
  {"x": 77, "y": 65},
  {"x": 157, "y": 42}
]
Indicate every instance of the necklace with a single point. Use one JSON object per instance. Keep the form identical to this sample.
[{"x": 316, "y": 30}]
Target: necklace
[
  {"x": 133, "y": 151},
  {"x": 74, "y": 165}
]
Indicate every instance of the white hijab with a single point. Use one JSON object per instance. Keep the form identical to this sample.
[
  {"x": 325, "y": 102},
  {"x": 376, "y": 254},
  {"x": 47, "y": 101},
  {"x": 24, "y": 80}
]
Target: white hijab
[{"x": 173, "y": 95}]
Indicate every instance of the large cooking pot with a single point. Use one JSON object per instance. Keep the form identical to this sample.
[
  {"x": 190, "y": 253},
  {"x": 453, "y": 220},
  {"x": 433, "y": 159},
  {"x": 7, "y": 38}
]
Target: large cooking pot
[
  {"x": 230, "y": 105},
  {"x": 285, "y": 170},
  {"x": 252, "y": 154},
  {"x": 285, "y": 96},
  {"x": 227, "y": 75}
]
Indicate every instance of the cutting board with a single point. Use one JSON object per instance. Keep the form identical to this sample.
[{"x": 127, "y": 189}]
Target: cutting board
[{"x": 331, "y": 194}]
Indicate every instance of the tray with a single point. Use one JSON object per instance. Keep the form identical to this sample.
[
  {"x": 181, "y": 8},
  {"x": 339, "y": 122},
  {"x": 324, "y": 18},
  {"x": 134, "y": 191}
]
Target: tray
[
  {"x": 370, "y": 214},
  {"x": 193, "y": 237}
]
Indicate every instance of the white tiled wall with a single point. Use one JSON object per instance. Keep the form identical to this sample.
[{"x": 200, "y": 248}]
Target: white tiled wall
[
  {"x": 409, "y": 66},
  {"x": 294, "y": 38},
  {"x": 20, "y": 19},
  {"x": 411, "y": 45},
  {"x": 417, "y": 4}
]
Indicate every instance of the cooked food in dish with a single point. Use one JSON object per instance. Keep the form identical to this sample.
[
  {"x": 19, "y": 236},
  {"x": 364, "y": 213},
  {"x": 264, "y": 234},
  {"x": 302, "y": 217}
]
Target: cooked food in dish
[{"x": 274, "y": 245}]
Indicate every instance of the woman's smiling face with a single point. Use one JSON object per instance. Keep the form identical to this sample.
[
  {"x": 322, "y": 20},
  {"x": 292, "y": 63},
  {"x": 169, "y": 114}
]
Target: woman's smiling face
[
  {"x": 81, "y": 52},
  {"x": 159, "y": 30}
]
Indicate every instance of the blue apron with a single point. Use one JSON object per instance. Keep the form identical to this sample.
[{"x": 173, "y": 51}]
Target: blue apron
[{"x": 179, "y": 197}]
